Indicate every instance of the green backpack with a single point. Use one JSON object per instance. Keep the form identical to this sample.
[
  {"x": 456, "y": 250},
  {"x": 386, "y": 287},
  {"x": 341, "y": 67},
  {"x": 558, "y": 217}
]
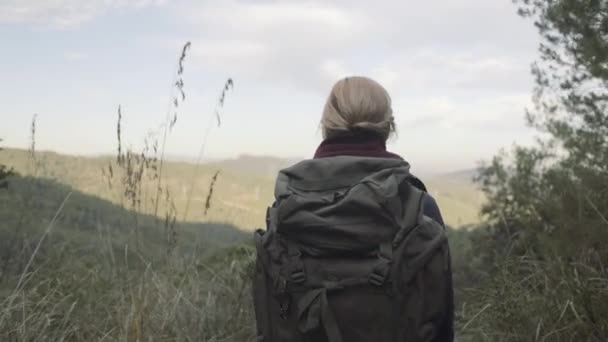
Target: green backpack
[{"x": 348, "y": 256}]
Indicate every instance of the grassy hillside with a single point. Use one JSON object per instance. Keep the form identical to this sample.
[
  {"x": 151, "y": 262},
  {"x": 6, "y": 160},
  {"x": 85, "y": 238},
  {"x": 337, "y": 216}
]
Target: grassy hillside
[
  {"x": 238, "y": 199},
  {"x": 91, "y": 281},
  {"x": 200, "y": 291},
  {"x": 80, "y": 272},
  {"x": 458, "y": 197},
  {"x": 259, "y": 166},
  {"x": 28, "y": 206},
  {"x": 243, "y": 190},
  {"x": 102, "y": 271}
]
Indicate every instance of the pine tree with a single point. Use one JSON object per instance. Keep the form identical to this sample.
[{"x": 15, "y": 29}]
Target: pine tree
[
  {"x": 559, "y": 187},
  {"x": 547, "y": 205}
]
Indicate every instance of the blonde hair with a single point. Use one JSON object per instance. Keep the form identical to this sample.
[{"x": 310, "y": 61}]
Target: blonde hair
[{"x": 357, "y": 104}]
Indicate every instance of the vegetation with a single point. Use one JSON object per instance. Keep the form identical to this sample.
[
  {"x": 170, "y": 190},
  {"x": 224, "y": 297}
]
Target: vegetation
[
  {"x": 87, "y": 281},
  {"x": 542, "y": 251},
  {"x": 110, "y": 259}
]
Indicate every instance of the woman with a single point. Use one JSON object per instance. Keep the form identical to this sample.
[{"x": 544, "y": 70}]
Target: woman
[
  {"x": 357, "y": 121},
  {"x": 355, "y": 249}
]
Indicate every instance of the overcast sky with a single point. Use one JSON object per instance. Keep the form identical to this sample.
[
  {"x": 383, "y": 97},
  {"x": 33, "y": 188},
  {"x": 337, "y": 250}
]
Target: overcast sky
[{"x": 457, "y": 70}]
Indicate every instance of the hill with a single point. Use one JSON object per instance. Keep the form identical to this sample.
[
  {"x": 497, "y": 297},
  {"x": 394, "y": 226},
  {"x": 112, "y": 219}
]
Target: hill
[
  {"x": 243, "y": 190},
  {"x": 238, "y": 199},
  {"x": 95, "y": 271},
  {"x": 457, "y": 195},
  {"x": 459, "y": 198},
  {"x": 28, "y": 206},
  {"x": 260, "y": 166}
]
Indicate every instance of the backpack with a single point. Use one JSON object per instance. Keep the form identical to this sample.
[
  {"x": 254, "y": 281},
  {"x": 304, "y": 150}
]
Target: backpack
[{"x": 348, "y": 256}]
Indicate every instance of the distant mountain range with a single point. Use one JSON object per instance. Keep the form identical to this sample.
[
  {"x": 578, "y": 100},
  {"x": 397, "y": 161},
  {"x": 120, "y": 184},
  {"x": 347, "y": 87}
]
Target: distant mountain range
[
  {"x": 243, "y": 190},
  {"x": 263, "y": 166},
  {"x": 467, "y": 175},
  {"x": 269, "y": 166}
]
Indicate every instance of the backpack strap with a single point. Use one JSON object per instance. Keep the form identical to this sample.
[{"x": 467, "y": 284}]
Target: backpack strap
[
  {"x": 382, "y": 269},
  {"x": 271, "y": 217},
  {"x": 412, "y": 209},
  {"x": 314, "y": 310},
  {"x": 415, "y": 181},
  {"x": 295, "y": 266},
  {"x": 412, "y": 196}
]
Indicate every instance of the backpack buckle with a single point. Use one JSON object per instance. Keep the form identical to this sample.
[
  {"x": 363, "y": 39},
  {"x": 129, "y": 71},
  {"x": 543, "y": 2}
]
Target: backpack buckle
[
  {"x": 284, "y": 310},
  {"x": 379, "y": 274},
  {"x": 383, "y": 267},
  {"x": 298, "y": 276},
  {"x": 376, "y": 279}
]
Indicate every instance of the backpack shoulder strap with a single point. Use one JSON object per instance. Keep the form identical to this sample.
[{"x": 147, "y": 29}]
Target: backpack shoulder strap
[
  {"x": 415, "y": 181},
  {"x": 412, "y": 196}
]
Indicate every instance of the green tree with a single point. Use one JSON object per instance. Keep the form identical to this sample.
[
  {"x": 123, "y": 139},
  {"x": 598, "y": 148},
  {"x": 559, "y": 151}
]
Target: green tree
[
  {"x": 547, "y": 205},
  {"x": 572, "y": 76},
  {"x": 559, "y": 187}
]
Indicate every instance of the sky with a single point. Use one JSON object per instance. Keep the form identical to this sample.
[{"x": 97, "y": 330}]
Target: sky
[{"x": 458, "y": 72}]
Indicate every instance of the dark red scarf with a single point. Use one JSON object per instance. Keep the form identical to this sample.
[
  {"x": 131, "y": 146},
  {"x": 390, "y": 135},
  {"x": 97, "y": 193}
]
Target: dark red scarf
[{"x": 358, "y": 146}]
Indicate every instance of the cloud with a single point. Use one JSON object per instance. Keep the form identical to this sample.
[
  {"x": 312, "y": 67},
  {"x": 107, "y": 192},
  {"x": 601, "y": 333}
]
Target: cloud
[
  {"x": 274, "y": 42},
  {"x": 73, "y": 56},
  {"x": 63, "y": 13},
  {"x": 308, "y": 44},
  {"x": 458, "y": 70},
  {"x": 441, "y": 71},
  {"x": 499, "y": 113}
]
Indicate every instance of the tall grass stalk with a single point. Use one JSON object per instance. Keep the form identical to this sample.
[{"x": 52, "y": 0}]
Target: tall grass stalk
[
  {"x": 33, "y": 145},
  {"x": 229, "y": 84},
  {"x": 176, "y": 85}
]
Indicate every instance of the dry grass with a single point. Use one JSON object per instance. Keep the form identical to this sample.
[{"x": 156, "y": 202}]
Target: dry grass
[
  {"x": 81, "y": 299},
  {"x": 210, "y": 194},
  {"x": 533, "y": 300},
  {"x": 67, "y": 292},
  {"x": 195, "y": 174}
]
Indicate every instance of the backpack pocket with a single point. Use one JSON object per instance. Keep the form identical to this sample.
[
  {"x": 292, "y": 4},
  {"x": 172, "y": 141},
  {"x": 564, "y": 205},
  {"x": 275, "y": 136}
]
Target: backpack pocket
[{"x": 340, "y": 300}]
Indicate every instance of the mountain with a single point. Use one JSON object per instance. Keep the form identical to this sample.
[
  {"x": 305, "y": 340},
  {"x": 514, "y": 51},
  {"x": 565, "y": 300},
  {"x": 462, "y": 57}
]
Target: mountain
[
  {"x": 463, "y": 176},
  {"x": 241, "y": 191},
  {"x": 236, "y": 199},
  {"x": 459, "y": 198},
  {"x": 261, "y": 166}
]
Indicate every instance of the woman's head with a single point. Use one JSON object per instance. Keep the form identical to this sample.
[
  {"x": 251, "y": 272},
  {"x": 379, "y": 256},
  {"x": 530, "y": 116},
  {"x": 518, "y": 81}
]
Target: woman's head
[{"x": 357, "y": 104}]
